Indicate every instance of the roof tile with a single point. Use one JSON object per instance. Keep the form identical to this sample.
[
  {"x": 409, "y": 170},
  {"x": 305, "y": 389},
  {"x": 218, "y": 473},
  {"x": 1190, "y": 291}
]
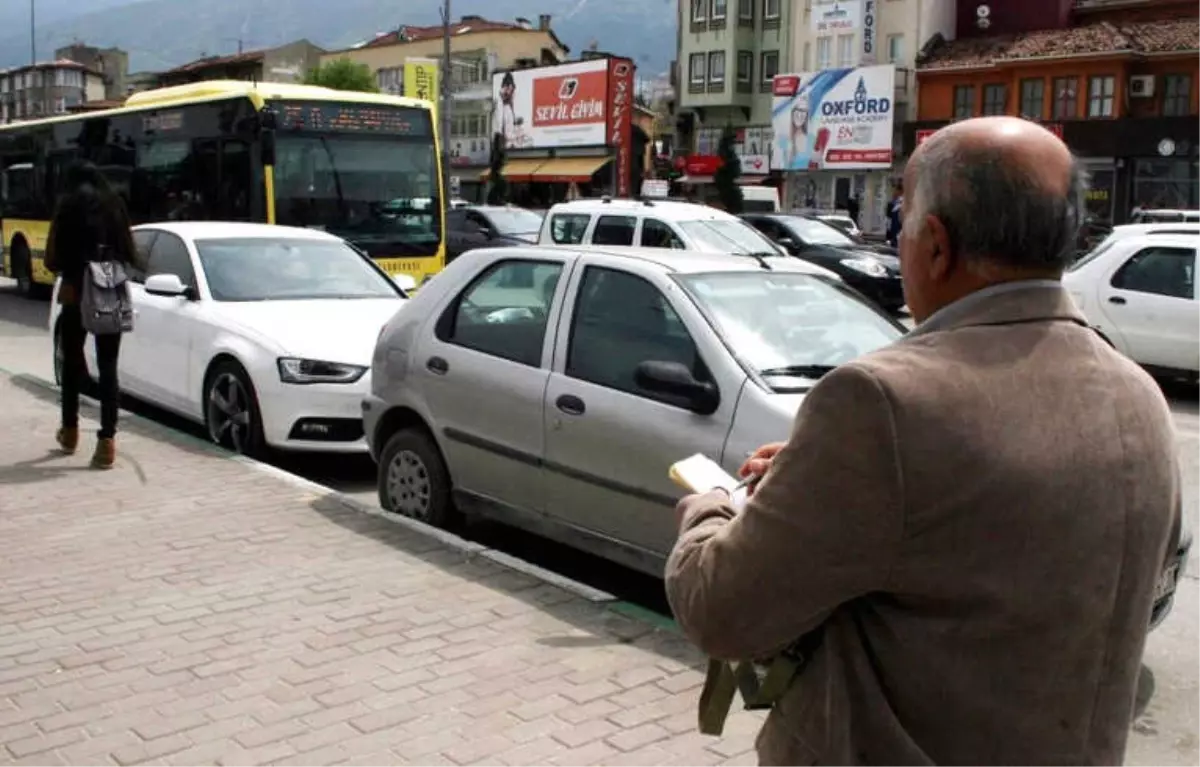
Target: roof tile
[{"x": 1103, "y": 37}]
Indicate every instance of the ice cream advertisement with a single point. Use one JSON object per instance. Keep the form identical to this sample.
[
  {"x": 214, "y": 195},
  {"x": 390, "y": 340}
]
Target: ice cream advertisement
[{"x": 836, "y": 119}]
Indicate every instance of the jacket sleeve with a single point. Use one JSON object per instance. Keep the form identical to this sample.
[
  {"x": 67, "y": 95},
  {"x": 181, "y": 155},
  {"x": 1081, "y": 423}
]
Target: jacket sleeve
[
  {"x": 823, "y": 527},
  {"x": 50, "y": 260}
]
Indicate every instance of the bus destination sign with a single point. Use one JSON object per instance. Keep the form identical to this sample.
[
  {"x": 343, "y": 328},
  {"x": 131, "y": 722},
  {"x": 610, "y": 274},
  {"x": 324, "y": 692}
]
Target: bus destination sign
[{"x": 354, "y": 118}]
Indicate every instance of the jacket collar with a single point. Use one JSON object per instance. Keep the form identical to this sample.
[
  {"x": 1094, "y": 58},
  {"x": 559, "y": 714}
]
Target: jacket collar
[{"x": 1005, "y": 304}]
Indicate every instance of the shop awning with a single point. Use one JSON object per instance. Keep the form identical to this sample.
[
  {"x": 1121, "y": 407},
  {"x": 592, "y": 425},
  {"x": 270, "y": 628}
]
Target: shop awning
[
  {"x": 517, "y": 170},
  {"x": 565, "y": 170}
]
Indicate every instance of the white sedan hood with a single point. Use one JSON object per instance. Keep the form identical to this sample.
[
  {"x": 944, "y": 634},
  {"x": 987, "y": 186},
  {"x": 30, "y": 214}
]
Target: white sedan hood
[{"x": 333, "y": 330}]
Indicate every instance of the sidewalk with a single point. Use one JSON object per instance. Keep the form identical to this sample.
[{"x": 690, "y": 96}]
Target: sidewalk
[{"x": 186, "y": 608}]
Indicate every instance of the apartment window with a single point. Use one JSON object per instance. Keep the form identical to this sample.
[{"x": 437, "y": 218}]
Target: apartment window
[
  {"x": 1101, "y": 92},
  {"x": 769, "y": 66},
  {"x": 824, "y": 52},
  {"x": 964, "y": 101},
  {"x": 1177, "y": 95},
  {"x": 845, "y": 49},
  {"x": 716, "y": 70},
  {"x": 770, "y": 14},
  {"x": 699, "y": 11},
  {"x": 697, "y": 71},
  {"x": 807, "y": 57},
  {"x": 994, "y": 99},
  {"x": 1033, "y": 98},
  {"x": 1066, "y": 98},
  {"x": 746, "y": 13},
  {"x": 718, "y": 9},
  {"x": 895, "y": 49},
  {"x": 745, "y": 71}
]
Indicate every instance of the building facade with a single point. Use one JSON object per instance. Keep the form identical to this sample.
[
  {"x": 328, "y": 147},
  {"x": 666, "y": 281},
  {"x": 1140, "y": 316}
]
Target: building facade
[
  {"x": 111, "y": 63},
  {"x": 842, "y": 34},
  {"x": 1118, "y": 83},
  {"x": 47, "y": 89},
  {"x": 478, "y": 47},
  {"x": 284, "y": 64},
  {"x": 729, "y": 52}
]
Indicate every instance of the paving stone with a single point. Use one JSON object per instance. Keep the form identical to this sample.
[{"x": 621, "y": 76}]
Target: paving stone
[{"x": 185, "y": 608}]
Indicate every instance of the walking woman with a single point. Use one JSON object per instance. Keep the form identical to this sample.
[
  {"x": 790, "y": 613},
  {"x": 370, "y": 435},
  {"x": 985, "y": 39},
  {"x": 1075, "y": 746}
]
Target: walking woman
[{"x": 90, "y": 224}]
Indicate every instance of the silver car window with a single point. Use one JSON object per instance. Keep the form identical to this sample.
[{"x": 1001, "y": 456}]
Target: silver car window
[
  {"x": 503, "y": 312},
  {"x": 620, "y": 321}
]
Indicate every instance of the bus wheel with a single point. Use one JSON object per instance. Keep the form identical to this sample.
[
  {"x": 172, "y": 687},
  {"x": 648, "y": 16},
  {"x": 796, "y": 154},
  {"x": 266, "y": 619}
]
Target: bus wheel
[{"x": 22, "y": 267}]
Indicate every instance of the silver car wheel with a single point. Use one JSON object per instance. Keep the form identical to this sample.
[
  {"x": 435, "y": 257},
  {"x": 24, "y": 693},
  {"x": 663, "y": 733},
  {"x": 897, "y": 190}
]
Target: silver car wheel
[
  {"x": 229, "y": 413},
  {"x": 408, "y": 485}
]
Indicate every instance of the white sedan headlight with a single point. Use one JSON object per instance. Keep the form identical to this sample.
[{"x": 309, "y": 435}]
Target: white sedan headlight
[
  {"x": 867, "y": 266},
  {"x": 300, "y": 371}
]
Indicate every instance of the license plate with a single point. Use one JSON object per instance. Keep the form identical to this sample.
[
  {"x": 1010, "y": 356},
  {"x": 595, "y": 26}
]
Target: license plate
[{"x": 1166, "y": 583}]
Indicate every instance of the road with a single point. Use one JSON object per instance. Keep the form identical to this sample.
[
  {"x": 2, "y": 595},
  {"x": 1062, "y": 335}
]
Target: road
[{"x": 1165, "y": 732}]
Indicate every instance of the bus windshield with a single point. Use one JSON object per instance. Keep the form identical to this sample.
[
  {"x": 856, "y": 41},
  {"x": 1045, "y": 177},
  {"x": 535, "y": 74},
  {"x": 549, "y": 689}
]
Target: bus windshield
[{"x": 379, "y": 192}]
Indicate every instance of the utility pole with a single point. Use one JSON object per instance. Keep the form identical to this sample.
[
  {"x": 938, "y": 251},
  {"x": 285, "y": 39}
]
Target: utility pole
[
  {"x": 33, "y": 32},
  {"x": 445, "y": 103}
]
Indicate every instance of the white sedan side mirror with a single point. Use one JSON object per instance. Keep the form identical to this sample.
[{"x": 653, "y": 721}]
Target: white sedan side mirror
[
  {"x": 165, "y": 285},
  {"x": 405, "y": 282}
]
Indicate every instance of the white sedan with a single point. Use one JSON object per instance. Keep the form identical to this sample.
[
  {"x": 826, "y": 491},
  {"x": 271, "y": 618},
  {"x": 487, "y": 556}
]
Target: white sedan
[
  {"x": 1139, "y": 291},
  {"x": 264, "y": 334}
]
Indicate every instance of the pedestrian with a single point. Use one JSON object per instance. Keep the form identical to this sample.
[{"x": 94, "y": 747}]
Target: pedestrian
[
  {"x": 895, "y": 219},
  {"x": 852, "y": 208},
  {"x": 90, "y": 224},
  {"x": 965, "y": 527}
]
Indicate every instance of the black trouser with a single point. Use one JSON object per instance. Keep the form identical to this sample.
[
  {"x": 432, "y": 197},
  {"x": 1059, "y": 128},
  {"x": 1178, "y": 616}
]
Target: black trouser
[{"x": 74, "y": 372}]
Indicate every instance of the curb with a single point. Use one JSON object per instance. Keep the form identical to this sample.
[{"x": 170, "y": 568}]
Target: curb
[{"x": 469, "y": 548}]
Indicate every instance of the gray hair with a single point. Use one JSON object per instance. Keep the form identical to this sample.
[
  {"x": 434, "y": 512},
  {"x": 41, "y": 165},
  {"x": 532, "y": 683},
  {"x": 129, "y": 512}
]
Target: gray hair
[{"x": 993, "y": 208}]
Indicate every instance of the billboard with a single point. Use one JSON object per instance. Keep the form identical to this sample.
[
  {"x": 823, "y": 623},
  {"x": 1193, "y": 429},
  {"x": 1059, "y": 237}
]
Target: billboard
[
  {"x": 544, "y": 107},
  {"x": 580, "y": 104},
  {"x": 421, "y": 80},
  {"x": 835, "y": 17},
  {"x": 836, "y": 119}
]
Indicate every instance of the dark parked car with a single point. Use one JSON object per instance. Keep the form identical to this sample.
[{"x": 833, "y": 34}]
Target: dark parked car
[
  {"x": 489, "y": 226},
  {"x": 863, "y": 266}
]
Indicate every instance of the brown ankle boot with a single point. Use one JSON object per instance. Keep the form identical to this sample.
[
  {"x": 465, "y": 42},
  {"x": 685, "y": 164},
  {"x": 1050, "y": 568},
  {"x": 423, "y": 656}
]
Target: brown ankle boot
[
  {"x": 68, "y": 439},
  {"x": 105, "y": 455}
]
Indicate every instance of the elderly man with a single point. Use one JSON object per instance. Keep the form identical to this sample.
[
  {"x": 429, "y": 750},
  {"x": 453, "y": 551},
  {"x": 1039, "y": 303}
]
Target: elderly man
[{"x": 970, "y": 522}]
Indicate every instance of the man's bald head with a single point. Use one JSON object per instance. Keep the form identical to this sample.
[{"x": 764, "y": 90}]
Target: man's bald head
[{"x": 1006, "y": 190}]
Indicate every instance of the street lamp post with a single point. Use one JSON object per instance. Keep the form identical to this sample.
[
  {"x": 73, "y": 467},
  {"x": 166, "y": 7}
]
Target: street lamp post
[
  {"x": 32, "y": 32},
  {"x": 445, "y": 102}
]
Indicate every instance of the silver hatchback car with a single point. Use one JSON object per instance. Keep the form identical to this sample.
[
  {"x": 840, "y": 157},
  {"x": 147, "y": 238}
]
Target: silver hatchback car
[{"x": 552, "y": 388}]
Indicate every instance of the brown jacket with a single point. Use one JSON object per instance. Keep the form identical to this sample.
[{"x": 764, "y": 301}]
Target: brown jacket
[{"x": 975, "y": 518}]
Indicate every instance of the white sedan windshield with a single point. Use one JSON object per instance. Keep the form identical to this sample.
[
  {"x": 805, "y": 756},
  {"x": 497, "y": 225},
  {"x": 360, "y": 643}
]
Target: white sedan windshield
[
  {"x": 268, "y": 269},
  {"x": 781, "y": 323},
  {"x": 727, "y": 237}
]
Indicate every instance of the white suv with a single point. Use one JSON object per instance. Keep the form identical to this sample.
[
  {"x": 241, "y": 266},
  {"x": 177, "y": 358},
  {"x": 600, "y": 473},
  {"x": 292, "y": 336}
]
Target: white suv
[{"x": 652, "y": 224}]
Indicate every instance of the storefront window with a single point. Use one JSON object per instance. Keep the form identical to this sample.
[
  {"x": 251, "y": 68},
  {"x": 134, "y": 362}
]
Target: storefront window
[
  {"x": 1168, "y": 183},
  {"x": 1033, "y": 96},
  {"x": 1066, "y": 98},
  {"x": 964, "y": 101},
  {"x": 1100, "y": 196},
  {"x": 1177, "y": 95},
  {"x": 1101, "y": 91},
  {"x": 994, "y": 98}
]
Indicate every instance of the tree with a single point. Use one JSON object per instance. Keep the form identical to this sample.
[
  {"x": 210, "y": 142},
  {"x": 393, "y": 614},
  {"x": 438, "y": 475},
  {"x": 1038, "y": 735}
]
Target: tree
[
  {"x": 497, "y": 185},
  {"x": 728, "y": 191},
  {"x": 343, "y": 75}
]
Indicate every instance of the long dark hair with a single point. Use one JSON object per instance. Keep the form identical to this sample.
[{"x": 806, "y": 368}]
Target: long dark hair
[{"x": 91, "y": 221}]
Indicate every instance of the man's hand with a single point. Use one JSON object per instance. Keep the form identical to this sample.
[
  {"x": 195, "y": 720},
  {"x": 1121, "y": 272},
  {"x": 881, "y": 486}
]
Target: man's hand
[{"x": 758, "y": 463}]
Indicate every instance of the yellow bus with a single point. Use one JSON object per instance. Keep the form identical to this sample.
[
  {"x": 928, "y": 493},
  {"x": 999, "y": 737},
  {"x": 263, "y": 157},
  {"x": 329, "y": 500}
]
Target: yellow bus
[{"x": 363, "y": 166}]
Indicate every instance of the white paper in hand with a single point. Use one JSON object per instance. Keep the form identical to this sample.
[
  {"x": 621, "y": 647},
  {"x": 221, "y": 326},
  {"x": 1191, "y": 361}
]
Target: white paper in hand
[{"x": 700, "y": 474}]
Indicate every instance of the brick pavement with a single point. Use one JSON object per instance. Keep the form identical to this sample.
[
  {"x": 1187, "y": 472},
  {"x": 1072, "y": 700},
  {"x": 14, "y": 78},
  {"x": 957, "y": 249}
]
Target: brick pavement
[{"x": 188, "y": 609}]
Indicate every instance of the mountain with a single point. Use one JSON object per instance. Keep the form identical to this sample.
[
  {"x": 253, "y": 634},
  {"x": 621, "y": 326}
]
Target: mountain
[{"x": 159, "y": 34}]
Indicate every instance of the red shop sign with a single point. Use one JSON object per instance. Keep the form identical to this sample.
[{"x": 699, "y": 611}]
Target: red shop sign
[{"x": 701, "y": 164}]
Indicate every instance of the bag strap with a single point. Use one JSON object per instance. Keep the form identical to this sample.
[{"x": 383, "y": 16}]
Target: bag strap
[{"x": 759, "y": 690}]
